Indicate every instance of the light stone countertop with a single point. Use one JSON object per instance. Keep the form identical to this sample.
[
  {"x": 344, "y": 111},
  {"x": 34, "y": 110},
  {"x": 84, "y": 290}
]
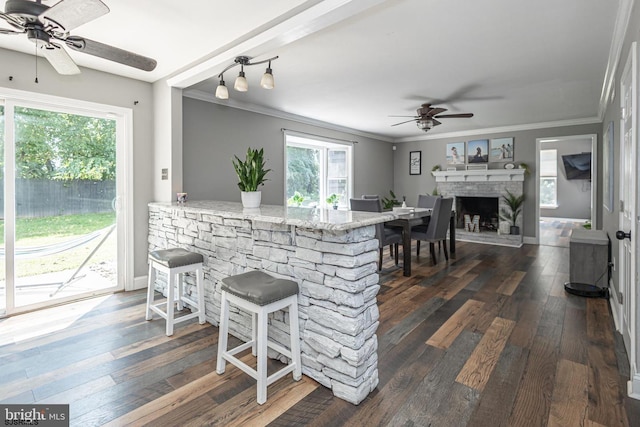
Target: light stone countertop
[{"x": 323, "y": 219}]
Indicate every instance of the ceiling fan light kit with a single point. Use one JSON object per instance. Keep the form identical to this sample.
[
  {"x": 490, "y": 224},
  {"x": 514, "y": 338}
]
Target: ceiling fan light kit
[
  {"x": 241, "y": 84},
  {"x": 427, "y": 117}
]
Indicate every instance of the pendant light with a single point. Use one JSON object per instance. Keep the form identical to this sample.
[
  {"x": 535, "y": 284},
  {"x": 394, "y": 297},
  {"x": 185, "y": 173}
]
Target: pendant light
[{"x": 241, "y": 84}]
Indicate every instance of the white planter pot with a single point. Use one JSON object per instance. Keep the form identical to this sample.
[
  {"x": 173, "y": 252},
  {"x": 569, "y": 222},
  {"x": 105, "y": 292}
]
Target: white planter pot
[{"x": 251, "y": 199}]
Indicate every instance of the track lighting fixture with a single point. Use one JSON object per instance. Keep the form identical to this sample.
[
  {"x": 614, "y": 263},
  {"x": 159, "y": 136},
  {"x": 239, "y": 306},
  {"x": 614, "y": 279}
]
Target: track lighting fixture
[{"x": 241, "y": 84}]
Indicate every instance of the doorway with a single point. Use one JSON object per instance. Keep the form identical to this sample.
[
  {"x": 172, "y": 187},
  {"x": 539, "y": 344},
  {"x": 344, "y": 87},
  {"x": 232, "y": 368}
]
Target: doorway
[
  {"x": 565, "y": 196},
  {"x": 61, "y": 202}
]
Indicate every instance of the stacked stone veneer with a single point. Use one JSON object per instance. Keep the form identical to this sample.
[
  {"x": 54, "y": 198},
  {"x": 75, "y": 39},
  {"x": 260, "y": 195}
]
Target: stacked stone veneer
[
  {"x": 336, "y": 272},
  {"x": 477, "y": 185}
]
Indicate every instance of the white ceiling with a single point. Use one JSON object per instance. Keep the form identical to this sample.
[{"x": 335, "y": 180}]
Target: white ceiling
[{"x": 352, "y": 63}]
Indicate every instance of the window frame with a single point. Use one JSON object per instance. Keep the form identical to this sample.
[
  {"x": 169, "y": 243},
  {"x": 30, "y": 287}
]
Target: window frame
[
  {"x": 549, "y": 177},
  {"x": 303, "y": 140}
]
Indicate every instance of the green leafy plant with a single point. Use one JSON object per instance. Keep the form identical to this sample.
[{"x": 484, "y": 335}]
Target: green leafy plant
[
  {"x": 333, "y": 199},
  {"x": 435, "y": 192},
  {"x": 390, "y": 202},
  {"x": 587, "y": 225},
  {"x": 515, "y": 207},
  {"x": 251, "y": 171},
  {"x": 296, "y": 199},
  {"x": 436, "y": 168}
]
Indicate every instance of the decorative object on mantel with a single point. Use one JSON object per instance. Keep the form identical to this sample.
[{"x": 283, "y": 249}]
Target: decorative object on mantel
[
  {"x": 478, "y": 167},
  {"x": 525, "y": 167},
  {"x": 241, "y": 84},
  {"x": 455, "y": 154},
  {"x": 478, "y": 151},
  {"x": 509, "y": 165},
  {"x": 436, "y": 168},
  {"x": 501, "y": 149},
  {"x": 333, "y": 200},
  {"x": 515, "y": 207},
  {"x": 251, "y": 174}
]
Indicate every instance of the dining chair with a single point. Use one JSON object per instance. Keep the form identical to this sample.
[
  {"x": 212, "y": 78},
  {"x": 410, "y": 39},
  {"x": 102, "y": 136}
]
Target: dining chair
[
  {"x": 391, "y": 236},
  {"x": 436, "y": 230},
  {"x": 427, "y": 201},
  {"x": 370, "y": 196}
]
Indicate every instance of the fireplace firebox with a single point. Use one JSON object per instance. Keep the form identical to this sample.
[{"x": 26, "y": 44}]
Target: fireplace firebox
[{"x": 484, "y": 207}]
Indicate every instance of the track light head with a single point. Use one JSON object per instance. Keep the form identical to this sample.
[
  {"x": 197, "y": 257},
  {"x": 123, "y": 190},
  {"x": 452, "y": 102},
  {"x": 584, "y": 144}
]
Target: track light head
[{"x": 241, "y": 84}]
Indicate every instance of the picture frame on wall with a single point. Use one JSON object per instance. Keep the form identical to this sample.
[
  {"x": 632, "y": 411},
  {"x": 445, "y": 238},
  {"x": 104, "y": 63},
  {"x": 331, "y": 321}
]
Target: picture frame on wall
[
  {"x": 478, "y": 151},
  {"x": 501, "y": 150},
  {"x": 415, "y": 162},
  {"x": 455, "y": 154}
]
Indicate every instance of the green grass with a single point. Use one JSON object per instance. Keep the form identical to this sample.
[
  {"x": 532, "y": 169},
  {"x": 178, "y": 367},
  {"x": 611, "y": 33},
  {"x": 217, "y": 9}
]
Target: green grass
[{"x": 46, "y": 228}]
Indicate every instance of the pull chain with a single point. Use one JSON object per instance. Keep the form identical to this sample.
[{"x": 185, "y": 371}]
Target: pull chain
[{"x": 36, "y": 61}]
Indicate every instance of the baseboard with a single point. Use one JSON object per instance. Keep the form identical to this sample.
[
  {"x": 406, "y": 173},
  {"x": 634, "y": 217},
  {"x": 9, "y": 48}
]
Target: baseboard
[
  {"x": 616, "y": 307},
  {"x": 633, "y": 385},
  {"x": 139, "y": 283},
  {"x": 529, "y": 240}
]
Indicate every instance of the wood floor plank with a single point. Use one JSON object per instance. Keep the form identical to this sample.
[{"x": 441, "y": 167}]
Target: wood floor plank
[
  {"x": 455, "y": 324},
  {"x": 484, "y": 358},
  {"x": 569, "y": 403},
  {"x": 509, "y": 285}
]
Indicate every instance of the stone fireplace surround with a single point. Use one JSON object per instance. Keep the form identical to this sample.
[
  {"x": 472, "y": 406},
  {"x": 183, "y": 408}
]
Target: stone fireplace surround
[{"x": 484, "y": 183}]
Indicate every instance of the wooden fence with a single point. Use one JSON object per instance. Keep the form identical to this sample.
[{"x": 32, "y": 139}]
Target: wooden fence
[{"x": 41, "y": 198}]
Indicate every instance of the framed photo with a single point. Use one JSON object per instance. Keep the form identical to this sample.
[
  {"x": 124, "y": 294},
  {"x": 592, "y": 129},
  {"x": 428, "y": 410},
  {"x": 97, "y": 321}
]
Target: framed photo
[
  {"x": 455, "y": 153},
  {"x": 501, "y": 150},
  {"x": 478, "y": 151},
  {"x": 607, "y": 169},
  {"x": 415, "y": 162}
]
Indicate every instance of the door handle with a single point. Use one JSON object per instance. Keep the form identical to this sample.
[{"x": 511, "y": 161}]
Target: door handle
[{"x": 621, "y": 235}]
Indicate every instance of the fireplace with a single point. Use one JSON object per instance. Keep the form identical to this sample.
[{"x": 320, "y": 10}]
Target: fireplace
[
  {"x": 486, "y": 208},
  {"x": 479, "y": 193}
]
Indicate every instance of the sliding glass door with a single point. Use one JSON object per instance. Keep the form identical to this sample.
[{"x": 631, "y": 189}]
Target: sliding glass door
[{"x": 60, "y": 205}]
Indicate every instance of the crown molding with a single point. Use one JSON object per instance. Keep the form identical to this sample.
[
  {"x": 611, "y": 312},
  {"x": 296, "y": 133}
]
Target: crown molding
[
  {"x": 501, "y": 129},
  {"x": 254, "y": 108}
]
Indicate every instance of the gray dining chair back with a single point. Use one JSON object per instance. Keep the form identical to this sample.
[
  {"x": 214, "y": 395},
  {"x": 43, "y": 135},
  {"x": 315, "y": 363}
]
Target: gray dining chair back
[
  {"x": 370, "y": 196},
  {"x": 427, "y": 201},
  {"x": 385, "y": 235},
  {"x": 365, "y": 205},
  {"x": 436, "y": 230}
]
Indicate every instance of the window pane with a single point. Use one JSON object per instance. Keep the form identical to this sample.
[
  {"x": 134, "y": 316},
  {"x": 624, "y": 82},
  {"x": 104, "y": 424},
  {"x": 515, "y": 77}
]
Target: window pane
[
  {"x": 337, "y": 164},
  {"x": 548, "y": 191},
  {"x": 303, "y": 173}
]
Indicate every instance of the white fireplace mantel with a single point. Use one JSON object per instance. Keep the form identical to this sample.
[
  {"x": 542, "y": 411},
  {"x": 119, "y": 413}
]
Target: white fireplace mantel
[{"x": 489, "y": 175}]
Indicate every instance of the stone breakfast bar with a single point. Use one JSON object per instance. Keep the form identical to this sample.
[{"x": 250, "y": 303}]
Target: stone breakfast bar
[{"x": 332, "y": 254}]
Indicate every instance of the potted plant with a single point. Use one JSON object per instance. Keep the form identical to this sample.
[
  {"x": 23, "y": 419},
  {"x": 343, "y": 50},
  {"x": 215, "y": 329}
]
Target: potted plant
[
  {"x": 333, "y": 200},
  {"x": 389, "y": 202},
  {"x": 251, "y": 174},
  {"x": 515, "y": 208},
  {"x": 296, "y": 199}
]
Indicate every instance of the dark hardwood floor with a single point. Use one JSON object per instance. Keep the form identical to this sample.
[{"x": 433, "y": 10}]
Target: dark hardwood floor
[{"x": 488, "y": 339}]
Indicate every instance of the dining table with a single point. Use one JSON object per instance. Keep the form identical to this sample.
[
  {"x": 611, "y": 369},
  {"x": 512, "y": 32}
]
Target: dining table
[{"x": 410, "y": 217}]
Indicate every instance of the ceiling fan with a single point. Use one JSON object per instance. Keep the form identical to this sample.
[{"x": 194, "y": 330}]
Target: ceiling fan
[
  {"x": 428, "y": 115},
  {"x": 49, "y": 27}
]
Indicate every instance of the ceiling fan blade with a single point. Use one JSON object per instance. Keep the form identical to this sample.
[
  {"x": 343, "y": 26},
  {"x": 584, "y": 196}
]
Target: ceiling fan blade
[
  {"x": 12, "y": 20},
  {"x": 70, "y": 14},
  {"x": 401, "y": 123},
  {"x": 435, "y": 122},
  {"x": 111, "y": 53},
  {"x": 451, "y": 116},
  {"x": 436, "y": 110},
  {"x": 415, "y": 117},
  {"x": 60, "y": 60}
]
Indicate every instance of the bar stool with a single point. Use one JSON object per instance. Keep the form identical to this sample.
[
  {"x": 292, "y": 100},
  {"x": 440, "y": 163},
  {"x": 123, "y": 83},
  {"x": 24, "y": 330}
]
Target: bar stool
[
  {"x": 174, "y": 262},
  {"x": 260, "y": 294}
]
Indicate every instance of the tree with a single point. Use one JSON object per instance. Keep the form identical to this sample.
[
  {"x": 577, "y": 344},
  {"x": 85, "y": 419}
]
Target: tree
[
  {"x": 63, "y": 146},
  {"x": 303, "y": 172}
]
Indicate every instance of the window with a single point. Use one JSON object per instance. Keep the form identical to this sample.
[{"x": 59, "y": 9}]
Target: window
[
  {"x": 549, "y": 178},
  {"x": 316, "y": 169}
]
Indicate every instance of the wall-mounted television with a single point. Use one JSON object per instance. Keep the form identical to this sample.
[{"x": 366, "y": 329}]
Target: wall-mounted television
[{"x": 577, "y": 166}]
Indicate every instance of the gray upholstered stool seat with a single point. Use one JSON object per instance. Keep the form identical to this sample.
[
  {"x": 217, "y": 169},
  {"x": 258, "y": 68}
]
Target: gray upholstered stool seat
[
  {"x": 174, "y": 262},
  {"x": 259, "y": 288},
  {"x": 175, "y": 257},
  {"x": 260, "y": 294}
]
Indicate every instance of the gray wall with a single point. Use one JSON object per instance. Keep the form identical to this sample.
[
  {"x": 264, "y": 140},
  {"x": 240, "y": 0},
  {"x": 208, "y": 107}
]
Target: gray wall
[
  {"x": 433, "y": 153},
  {"x": 213, "y": 134},
  {"x": 574, "y": 196},
  {"x": 104, "y": 88}
]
